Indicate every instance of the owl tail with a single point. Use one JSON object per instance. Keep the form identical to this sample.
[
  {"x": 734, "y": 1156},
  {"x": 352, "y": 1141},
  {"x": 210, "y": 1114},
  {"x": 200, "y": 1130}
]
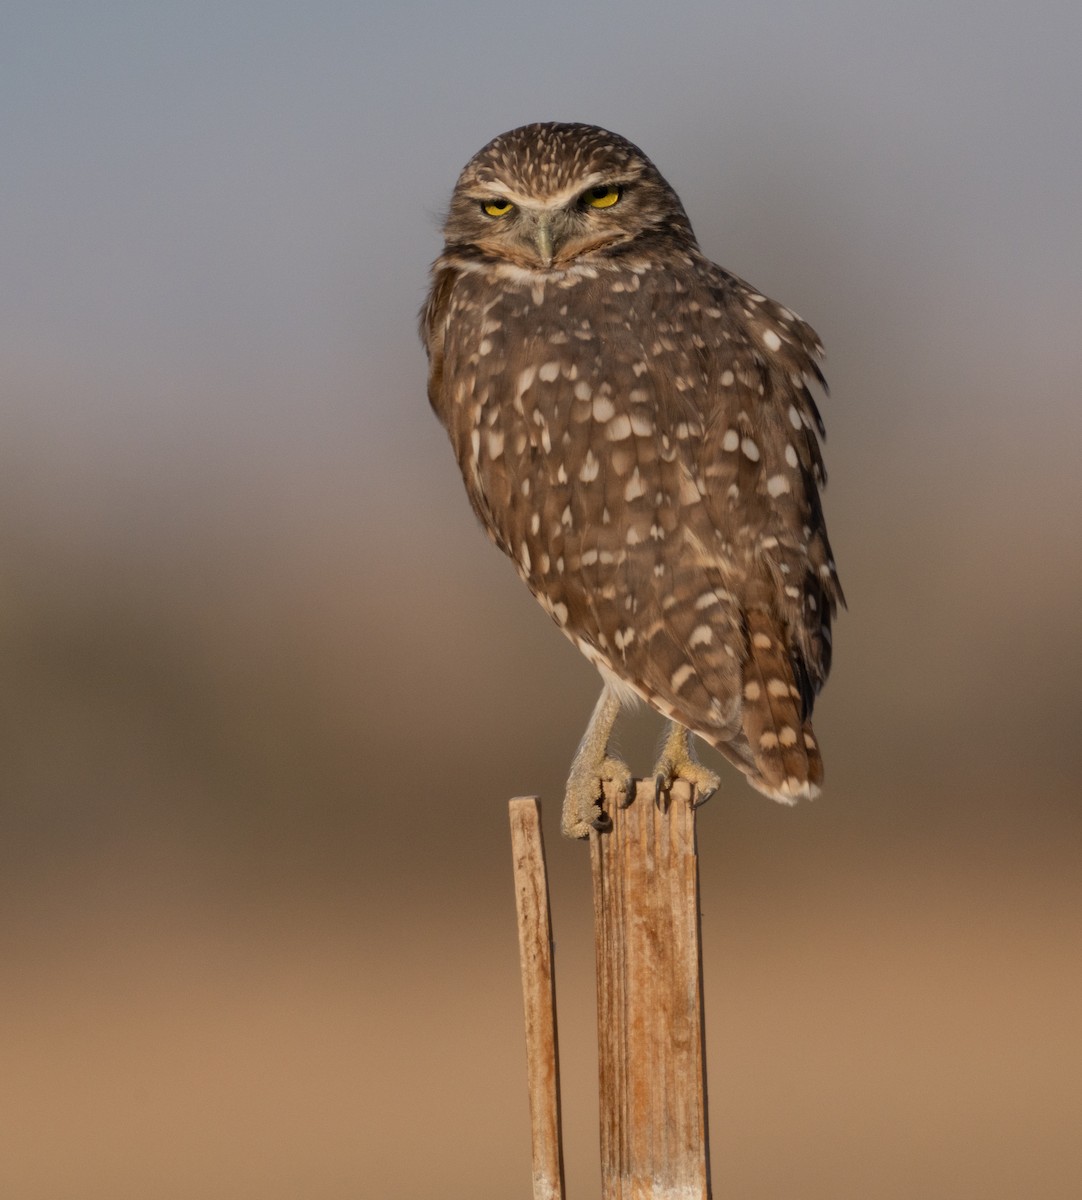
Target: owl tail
[{"x": 787, "y": 765}]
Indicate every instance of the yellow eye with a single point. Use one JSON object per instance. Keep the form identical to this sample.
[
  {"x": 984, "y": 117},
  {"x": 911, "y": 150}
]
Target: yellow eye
[
  {"x": 497, "y": 208},
  {"x": 601, "y": 197}
]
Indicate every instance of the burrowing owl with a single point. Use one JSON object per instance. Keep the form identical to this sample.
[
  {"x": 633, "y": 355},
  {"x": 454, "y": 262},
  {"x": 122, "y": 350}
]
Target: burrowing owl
[{"x": 636, "y": 433}]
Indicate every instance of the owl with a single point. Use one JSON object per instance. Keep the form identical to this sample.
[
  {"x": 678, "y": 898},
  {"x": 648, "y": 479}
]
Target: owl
[{"x": 636, "y": 431}]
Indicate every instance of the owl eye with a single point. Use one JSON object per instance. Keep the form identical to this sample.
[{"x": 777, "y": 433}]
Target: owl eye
[
  {"x": 604, "y": 196},
  {"x": 496, "y": 208}
]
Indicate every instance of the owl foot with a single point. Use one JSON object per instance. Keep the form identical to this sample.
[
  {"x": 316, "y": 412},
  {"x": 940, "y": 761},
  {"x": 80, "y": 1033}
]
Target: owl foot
[
  {"x": 678, "y": 761},
  {"x": 608, "y": 780}
]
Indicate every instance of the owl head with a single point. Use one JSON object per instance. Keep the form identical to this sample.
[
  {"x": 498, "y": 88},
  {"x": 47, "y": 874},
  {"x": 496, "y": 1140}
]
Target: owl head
[{"x": 547, "y": 195}]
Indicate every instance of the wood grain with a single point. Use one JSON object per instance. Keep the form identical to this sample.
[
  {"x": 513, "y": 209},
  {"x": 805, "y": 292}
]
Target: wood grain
[
  {"x": 539, "y": 997},
  {"x": 649, "y": 1001}
]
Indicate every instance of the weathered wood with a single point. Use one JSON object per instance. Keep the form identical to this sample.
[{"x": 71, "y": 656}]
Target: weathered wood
[
  {"x": 649, "y": 1001},
  {"x": 538, "y": 996}
]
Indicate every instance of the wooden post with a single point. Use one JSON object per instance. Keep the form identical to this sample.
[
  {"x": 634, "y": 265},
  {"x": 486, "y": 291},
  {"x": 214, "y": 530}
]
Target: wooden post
[
  {"x": 651, "y": 1048},
  {"x": 538, "y": 996}
]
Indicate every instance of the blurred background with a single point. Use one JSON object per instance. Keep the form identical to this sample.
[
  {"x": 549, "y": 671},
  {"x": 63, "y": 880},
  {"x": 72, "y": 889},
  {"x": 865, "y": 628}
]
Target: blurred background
[{"x": 265, "y": 689}]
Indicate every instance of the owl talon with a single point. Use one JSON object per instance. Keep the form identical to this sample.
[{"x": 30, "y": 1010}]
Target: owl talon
[
  {"x": 678, "y": 761},
  {"x": 589, "y": 789}
]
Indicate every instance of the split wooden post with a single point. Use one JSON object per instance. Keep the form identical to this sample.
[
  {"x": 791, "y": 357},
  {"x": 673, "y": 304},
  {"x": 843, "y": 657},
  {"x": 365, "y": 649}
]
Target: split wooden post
[
  {"x": 651, "y": 1044},
  {"x": 538, "y": 997}
]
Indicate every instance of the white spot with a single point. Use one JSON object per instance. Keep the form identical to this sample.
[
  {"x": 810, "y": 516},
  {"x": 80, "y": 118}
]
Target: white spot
[
  {"x": 761, "y": 641},
  {"x": 604, "y": 409},
  {"x": 730, "y": 441},
  {"x": 790, "y": 456},
  {"x": 495, "y": 443},
  {"x": 583, "y": 391},
  {"x": 561, "y": 474},
  {"x": 792, "y": 592},
  {"x": 525, "y": 379},
  {"x": 535, "y": 523},
  {"x": 559, "y": 611},
  {"x": 565, "y": 519},
  {"x": 475, "y": 442},
  {"x": 633, "y": 538},
  {"x": 524, "y": 557},
  {"x": 751, "y": 450},
  {"x": 768, "y": 741},
  {"x": 619, "y": 428},
  {"x": 771, "y": 340},
  {"x": 787, "y": 737},
  {"x": 635, "y": 487},
  {"x": 525, "y": 487},
  {"x": 537, "y": 294},
  {"x": 641, "y": 424},
  {"x": 701, "y": 635},
  {"x": 588, "y": 558},
  {"x": 590, "y": 468},
  {"x": 484, "y": 347},
  {"x": 624, "y": 638},
  {"x": 727, "y": 378},
  {"x": 707, "y": 600},
  {"x": 777, "y": 484},
  {"x": 680, "y": 676},
  {"x": 689, "y": 490},
  {"x": 777, "y": 687},
  {"x": 548, "y": 372},
  {"x": 752, "y": 691},
  {"x": 794, "y": 417}
]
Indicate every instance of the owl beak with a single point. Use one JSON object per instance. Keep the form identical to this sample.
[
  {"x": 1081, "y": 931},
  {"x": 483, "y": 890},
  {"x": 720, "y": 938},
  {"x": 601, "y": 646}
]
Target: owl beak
[{"x": 543, "y": 241}]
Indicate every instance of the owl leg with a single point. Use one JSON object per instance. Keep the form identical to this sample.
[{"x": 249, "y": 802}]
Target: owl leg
[
  {"x": 595, "y": 775},
  {"x": 679, "y": 761}
]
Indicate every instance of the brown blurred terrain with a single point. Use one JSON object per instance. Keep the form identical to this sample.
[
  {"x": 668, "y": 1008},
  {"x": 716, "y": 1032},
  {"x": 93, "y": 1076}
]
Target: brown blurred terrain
[
  {"x": 265, "y": 689},
  {"x": 258, "y": 923}
]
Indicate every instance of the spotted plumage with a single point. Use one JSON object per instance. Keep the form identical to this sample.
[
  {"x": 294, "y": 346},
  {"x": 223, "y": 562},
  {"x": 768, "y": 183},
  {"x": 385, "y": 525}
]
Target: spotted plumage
[{"x": 636, "y": 432}]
